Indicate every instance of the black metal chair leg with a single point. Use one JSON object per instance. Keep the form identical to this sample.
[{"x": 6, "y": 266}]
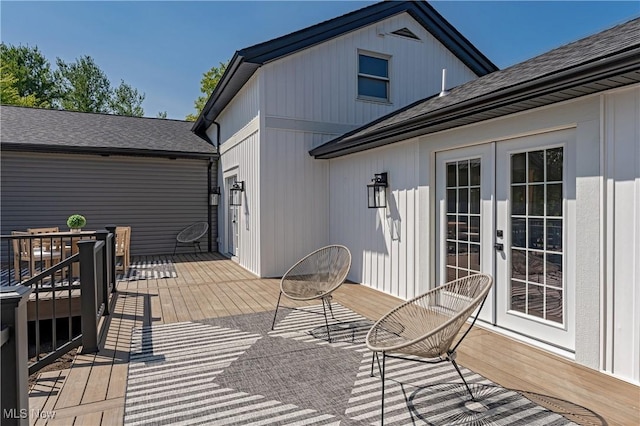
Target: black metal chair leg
[
  {"x": 453, "y": 361},
  {"x": 373, "y": 357},
  {"x": 326, "y": 321},
  {"x": 382, "y": 392},
  {"x": 273, "y": 324},
  {"x": 330, "y": 308},
  {"x": 174, "y": 248}
]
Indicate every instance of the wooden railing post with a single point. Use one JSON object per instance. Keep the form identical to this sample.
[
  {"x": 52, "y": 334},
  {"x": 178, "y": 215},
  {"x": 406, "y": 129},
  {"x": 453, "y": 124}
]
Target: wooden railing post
[
  {"x": 15, "y": 355},
  {"x": 106, "y": 269},
  {"x": 112, "y": 261},
  {"x": 88, "y": 296}
]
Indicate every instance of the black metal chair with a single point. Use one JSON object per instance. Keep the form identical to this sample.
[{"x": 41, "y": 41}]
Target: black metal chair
[{"x": 191, "y": 235}]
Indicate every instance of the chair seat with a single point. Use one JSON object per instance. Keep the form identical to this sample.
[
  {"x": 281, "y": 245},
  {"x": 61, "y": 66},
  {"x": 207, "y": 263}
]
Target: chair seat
[{"x": 316, "y": 276}]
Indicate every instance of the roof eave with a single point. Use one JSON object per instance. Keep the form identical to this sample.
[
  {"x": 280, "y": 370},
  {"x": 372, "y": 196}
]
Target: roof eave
[
  {"x": 104, "y": 151},
  {"x": 417, "y": 126}
]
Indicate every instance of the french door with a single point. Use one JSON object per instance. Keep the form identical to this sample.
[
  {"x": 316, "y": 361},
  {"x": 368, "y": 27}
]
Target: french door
[{"x": 505, "y": 208}]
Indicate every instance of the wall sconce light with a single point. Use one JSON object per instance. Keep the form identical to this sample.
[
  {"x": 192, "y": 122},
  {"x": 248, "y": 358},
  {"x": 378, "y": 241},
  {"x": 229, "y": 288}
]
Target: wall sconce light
[
  {"x": 235, "y": 193},
  {"x": 214, "y": 196},
  {"x": 377, "y": 191}
]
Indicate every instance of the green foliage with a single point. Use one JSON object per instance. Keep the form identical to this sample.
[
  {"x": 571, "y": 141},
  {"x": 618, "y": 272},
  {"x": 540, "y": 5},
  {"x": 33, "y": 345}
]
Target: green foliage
[
  {"x": 76, "y": 221},
  {"x": 208, "y": 83},
  {"x": 126, "y": 100},
  {"x": 84, "y": 86},
  {"x": 9, "y": 92},
  {"x": 162, "y": 114},
  {"x": 27, "y": 80},
  {"x": 34, "y": 80}
]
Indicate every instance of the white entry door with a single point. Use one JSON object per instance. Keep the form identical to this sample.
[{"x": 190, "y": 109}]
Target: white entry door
[
  {"x": 505, "y": 208},
  {"x": 233, "y": 217}
]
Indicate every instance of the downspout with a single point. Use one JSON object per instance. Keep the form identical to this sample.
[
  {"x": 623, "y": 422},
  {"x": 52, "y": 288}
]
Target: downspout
[
  {"x": 209, "y": 206},
  {"x": 209, "y": 190}
]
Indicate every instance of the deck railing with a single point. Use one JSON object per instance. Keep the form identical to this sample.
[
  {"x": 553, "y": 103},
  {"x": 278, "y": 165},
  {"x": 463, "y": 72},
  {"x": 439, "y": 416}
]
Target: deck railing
[{"x": 52, "y": 306}]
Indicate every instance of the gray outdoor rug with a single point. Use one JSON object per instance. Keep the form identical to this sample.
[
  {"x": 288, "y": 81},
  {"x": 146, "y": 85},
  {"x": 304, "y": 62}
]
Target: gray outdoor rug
[
  {"x": 235, "y": 370},
  {"x": 149, "y": 270}
]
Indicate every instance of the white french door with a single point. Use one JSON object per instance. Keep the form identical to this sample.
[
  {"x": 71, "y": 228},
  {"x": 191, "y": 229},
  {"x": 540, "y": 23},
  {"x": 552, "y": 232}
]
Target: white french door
[
  {"x": 506, "y": 209},
  {"x": 465, "y": 216}
]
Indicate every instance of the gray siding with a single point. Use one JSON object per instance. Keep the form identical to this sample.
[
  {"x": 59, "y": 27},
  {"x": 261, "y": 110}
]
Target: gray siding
[{"x": 157, "y": 197}]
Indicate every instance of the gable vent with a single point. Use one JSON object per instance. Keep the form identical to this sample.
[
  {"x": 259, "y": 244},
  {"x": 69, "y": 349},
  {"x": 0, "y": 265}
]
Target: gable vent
[{"x": 406, "y": 32}]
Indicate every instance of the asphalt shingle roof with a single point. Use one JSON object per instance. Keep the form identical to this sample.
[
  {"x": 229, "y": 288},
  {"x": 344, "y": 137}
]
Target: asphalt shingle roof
[
  {"x": 34, "y": 128},
  {"x": 570, "y": 60}
]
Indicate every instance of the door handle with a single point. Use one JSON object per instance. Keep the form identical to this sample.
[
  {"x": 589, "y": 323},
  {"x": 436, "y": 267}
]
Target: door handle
[{"x": 498, "y": 246}]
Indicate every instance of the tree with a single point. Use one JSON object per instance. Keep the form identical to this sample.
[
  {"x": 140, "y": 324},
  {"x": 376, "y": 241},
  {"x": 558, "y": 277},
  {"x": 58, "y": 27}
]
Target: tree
[
  {"x": 32, "y": 73},
  {"x": 84, "y": 86},
  {"x": 208, "y": 83},
  {"x": 126, "y": 100},
  {"x": 162, "y": 114},
  {"x": 9, "y": 94}
]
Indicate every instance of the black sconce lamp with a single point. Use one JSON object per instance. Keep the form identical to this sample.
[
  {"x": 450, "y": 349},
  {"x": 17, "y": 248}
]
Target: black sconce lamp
[
  {"x": 377, "y": 191},
  {"x": 214, "y": 196},
  {"x": 235, "y": 193}
]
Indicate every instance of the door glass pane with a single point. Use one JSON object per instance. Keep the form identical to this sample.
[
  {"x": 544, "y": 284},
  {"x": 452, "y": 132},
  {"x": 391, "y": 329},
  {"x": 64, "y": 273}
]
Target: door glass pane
[
  {"x": 474, "y": 202},
  {"x": 463, "y": 218},
  {"x": 463, "y": 173},
  {"x": 518, "y": 168},
  {"x": 554, "y": 199},
  {"x": 452, "y": 176},
  {"x": 474, "y": 172},
  {"x": 536, "y": 166},
  {"x": 554, "y": 165},
  {"x": 519, "y": 200},
  {"x": 536, "y": 200},
  {"x": 536, "y": 217}
]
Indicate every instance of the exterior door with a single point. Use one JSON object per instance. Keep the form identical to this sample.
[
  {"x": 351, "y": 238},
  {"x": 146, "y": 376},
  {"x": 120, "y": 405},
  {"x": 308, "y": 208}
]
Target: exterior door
[
  {"x": 504, "y": 208},
  {"x": 465, "y": 216},
  {"x": 535, "y": 186},
  {"x": 233, "y": 217}
]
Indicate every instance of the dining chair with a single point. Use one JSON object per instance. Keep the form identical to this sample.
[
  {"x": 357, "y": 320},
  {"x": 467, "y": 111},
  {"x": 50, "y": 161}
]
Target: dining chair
[
  {"x": 46, "y": 249},
  {"x": 123, "y": 240}
]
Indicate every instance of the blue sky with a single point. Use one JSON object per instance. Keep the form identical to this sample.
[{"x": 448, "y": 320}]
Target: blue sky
[{"x": 163, "y": 48}]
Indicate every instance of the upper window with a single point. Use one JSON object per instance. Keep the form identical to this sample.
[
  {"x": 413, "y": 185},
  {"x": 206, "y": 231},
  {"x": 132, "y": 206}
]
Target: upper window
[{"x": 373, "y": 77}]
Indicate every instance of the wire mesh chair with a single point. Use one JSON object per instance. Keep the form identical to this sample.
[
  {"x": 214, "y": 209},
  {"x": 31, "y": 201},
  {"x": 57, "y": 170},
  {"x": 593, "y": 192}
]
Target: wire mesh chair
[
  {"x": 427, "y": 326},
  {"x": 316, "y": 276},
  {"x": 191, "y": 235}
]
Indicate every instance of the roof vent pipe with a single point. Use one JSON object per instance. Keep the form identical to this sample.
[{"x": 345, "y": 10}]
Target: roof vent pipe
[{"x": 444, "y": 91}]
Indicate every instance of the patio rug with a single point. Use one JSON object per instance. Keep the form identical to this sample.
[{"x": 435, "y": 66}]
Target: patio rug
[
  {"x": 149, "y": 269},
  {"x": 235, "y": 370}
]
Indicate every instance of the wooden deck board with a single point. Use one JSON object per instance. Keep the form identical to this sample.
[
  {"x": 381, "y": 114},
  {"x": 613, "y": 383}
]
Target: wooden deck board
[{"x": 208, "y": 286}]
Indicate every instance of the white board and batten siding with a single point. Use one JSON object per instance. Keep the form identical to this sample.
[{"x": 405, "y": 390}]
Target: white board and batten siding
[
  {"x": 294, "y": 199},
  {"x": 310, "y": 97},
  {"x": 157, "y": 197},
  {"x": 383, "y": 241},
  {"x": 240, "y": 157},
  {"x": 622, "y": 234},
  {"x": 319, "y": 84},
  {"x": 242, "y": 160}
]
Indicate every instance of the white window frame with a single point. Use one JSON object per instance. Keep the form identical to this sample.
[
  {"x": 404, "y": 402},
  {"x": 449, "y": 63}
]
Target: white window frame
[{"x": 387, "y": 80}]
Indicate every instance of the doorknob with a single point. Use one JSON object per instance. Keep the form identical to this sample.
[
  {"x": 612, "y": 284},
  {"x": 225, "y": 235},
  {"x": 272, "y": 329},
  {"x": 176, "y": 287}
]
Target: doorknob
[{"x": 499, "y": 246}]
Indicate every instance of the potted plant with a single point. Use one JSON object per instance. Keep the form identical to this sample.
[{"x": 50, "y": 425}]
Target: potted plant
[{"x": 75, "y": 222}]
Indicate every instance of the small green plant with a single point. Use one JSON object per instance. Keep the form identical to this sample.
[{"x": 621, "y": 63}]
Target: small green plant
[{"x": 76, "y": 221}]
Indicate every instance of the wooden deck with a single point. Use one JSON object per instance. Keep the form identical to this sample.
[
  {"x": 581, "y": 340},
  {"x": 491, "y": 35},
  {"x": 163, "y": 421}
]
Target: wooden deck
[{"x": 92, "y": 391}]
